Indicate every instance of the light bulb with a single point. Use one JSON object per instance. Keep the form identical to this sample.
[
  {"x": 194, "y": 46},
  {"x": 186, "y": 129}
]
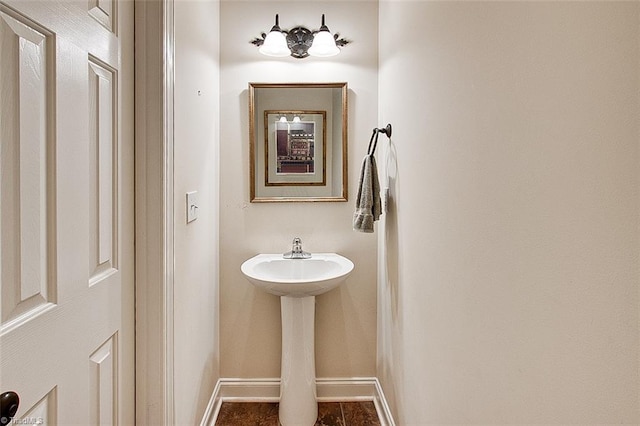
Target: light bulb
[
  {"x": 275, "y": 43},
  {"x": 324, "y": 44}
]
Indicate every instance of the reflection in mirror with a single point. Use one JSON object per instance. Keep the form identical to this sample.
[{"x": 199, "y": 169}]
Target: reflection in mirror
[
  {"x": 299, "y": 157},
  {"x": 298, "y": 142}
]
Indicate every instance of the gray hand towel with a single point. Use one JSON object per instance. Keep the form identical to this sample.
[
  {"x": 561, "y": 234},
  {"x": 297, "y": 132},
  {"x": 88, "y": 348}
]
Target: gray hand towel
[{"x": 368, "y": 204}]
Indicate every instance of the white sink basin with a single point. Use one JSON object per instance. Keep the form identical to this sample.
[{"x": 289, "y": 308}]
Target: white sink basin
[
  {"x": 297, "y": 277},
  {"x": 298, "y": 281}
]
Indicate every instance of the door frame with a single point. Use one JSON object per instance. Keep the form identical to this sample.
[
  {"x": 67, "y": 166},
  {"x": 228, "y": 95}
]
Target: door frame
[{"x": 154, "y": 211}]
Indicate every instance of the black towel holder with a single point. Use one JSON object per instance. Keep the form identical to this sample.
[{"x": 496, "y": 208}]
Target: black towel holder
[{"x": 374, "y": 137}]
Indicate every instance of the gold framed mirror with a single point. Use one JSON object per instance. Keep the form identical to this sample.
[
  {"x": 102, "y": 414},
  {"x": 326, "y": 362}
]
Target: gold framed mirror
[{"x": 298, "y": 142}]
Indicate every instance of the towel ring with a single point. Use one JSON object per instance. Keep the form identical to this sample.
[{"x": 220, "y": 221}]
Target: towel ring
[
  {"x": 374, "y": 137},
  {"x": 386, "y": 130}
]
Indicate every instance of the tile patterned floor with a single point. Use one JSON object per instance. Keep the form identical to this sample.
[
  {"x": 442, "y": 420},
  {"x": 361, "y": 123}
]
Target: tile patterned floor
[{"x": 329, "y": 414}]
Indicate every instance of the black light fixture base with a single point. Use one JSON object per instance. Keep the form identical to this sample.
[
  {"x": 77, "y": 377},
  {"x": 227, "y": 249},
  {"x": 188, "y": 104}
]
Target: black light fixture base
[
  {"x": 257, "y": 42},
  {"x": 299, "y": 40}
]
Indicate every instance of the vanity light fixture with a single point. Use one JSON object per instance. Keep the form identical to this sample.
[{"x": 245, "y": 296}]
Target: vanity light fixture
[{"x": 299, "y": 42}]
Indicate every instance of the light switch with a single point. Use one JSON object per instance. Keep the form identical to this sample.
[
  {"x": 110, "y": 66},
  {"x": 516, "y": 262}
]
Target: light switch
[{"x": 192, "y": 206}]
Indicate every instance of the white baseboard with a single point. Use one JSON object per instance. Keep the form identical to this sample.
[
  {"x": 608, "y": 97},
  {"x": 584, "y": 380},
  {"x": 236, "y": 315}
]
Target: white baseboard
[{"x": 268, "y": 390}]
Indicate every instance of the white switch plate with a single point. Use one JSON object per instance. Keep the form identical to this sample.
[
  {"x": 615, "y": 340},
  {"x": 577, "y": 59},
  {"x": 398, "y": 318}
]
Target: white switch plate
[{"x": 192, "y": 206}]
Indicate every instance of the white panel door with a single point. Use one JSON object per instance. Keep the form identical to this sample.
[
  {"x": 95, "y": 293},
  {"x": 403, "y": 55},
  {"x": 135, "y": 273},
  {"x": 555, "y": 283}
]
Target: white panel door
[{"x": 66, "y": 210}]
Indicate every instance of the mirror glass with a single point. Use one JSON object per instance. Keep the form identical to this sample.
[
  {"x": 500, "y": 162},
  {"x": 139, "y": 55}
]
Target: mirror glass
[{"x": 298, "y": 142}]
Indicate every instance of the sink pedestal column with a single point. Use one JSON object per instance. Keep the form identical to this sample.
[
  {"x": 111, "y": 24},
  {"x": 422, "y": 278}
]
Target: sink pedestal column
[{"x": 298, "y": 405}]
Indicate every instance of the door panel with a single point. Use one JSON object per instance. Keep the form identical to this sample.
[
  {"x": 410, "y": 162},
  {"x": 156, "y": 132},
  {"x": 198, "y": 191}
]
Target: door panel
[
  {"x": 44, "y": 411},
  {"x": 103, "y": 11},
  {"x": 102, "y": 188},
  {"x": 25, "y": 83},
  {"x": 103, "y": 383},
  {"x": 66, "y": 204}
]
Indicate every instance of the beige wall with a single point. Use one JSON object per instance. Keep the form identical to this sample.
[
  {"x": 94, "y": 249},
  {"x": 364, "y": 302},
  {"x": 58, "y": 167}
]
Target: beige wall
[
  {"x": 250, "y": 319},
  {"x": 196, "y": 243},
  {"x": 510, "y": 257}
]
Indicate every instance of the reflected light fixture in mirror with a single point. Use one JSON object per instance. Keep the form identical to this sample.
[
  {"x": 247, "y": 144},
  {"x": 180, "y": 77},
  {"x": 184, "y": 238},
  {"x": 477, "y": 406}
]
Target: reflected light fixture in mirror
[{"x": 299, "y": 42}]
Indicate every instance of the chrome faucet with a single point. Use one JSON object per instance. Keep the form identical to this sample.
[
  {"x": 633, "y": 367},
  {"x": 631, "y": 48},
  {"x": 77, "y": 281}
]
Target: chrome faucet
[{"x": 296, "y": 251}]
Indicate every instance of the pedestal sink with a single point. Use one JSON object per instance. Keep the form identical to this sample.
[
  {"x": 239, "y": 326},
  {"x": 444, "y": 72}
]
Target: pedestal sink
[{"x": 297, "y": 282}]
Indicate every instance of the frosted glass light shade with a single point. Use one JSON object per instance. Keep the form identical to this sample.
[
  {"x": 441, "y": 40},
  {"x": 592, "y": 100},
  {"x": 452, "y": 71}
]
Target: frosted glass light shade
[
  {"x": 275, "y": 44},
  {"x": 324, "y": 45}
]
